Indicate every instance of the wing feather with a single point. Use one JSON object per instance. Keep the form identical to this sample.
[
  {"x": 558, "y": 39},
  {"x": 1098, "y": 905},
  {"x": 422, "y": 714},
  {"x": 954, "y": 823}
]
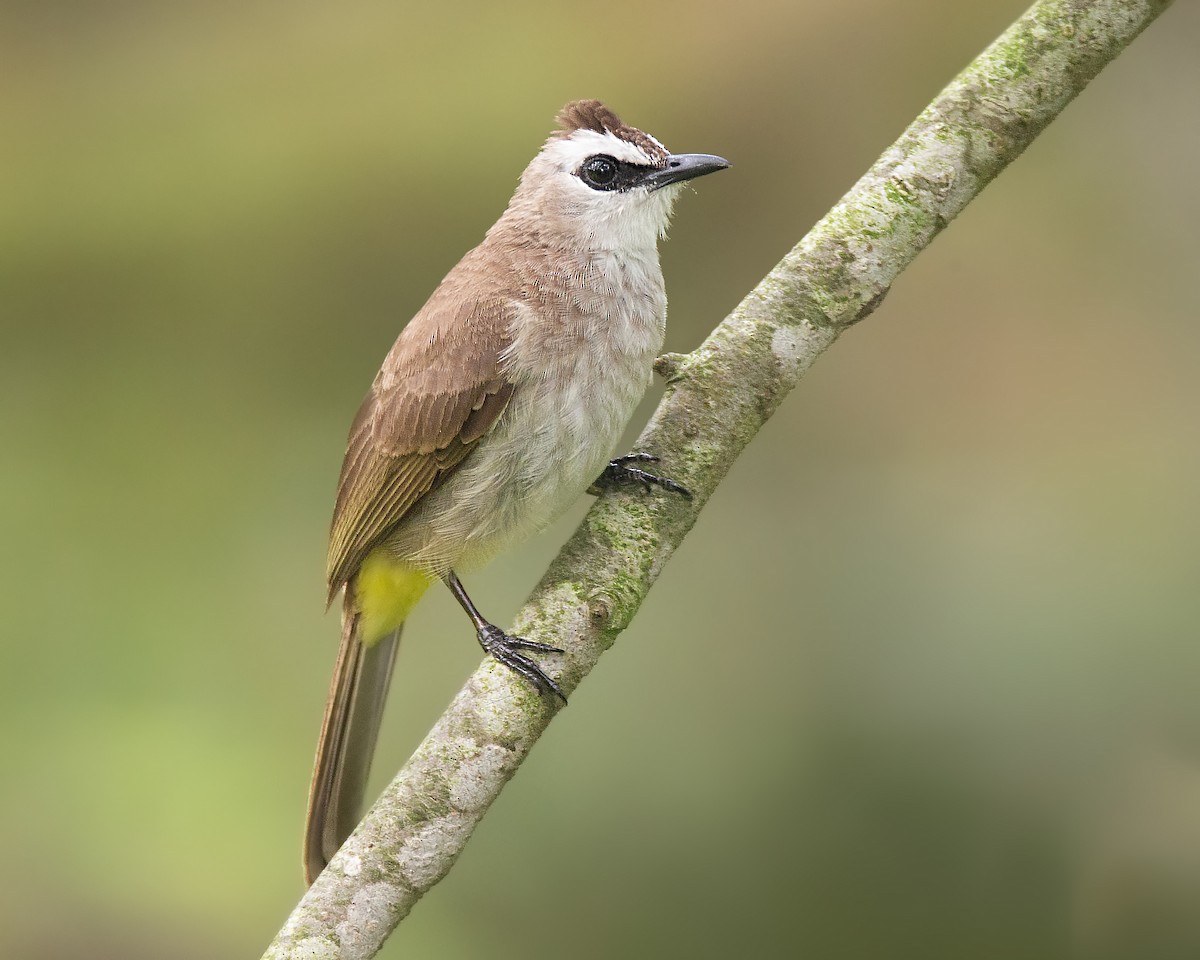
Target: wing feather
[{"x": 440, "y": 390}]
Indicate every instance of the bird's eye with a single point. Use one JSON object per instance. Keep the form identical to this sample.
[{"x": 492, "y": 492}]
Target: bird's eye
[{"x": 599, "y": 172}]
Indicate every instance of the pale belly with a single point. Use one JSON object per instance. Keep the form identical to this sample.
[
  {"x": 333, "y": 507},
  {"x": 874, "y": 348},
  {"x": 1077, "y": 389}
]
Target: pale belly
[
  {"x": 547, "y": 448},
  {"x": 579, "y": 374}
]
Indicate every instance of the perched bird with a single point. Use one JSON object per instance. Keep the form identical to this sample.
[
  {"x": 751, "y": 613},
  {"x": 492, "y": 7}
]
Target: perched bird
[{"x": 499, "y": 404}]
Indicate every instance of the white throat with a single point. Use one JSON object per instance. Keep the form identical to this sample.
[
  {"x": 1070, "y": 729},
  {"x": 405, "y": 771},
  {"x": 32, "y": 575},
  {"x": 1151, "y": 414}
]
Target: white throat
[{"x": 587, "y": 218}]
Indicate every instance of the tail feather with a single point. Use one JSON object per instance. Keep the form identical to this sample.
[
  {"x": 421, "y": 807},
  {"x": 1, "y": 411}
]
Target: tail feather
[{"x": 353, "y": 714}]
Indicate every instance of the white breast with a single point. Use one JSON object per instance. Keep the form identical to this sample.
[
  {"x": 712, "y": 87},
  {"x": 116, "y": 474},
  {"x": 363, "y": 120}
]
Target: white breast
[{"x": 579, "y": 377}]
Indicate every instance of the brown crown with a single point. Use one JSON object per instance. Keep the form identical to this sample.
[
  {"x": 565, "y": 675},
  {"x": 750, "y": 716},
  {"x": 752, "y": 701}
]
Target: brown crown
[{"x": 593, "y": 115}]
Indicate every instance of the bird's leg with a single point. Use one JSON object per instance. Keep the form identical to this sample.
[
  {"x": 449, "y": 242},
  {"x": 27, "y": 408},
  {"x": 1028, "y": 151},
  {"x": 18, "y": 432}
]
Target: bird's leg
[
  {"x": 505, "y": 648},
  {"x": 622, "y": 471}
]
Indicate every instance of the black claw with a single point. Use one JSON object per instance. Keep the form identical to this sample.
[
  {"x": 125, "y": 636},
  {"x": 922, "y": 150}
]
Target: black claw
[
  {"x": 621, "y": 471},
  {"x": 504, "y": 648}
]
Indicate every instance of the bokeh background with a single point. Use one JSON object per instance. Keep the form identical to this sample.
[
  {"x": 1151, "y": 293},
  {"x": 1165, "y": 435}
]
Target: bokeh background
[{"x": 921, "y": 683}]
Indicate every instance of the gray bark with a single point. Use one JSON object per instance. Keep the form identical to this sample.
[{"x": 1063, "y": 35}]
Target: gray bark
[{"x": 717, "y": 399}]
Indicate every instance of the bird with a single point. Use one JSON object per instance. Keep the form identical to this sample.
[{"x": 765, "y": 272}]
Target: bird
[{"x": 499, "y": 404}]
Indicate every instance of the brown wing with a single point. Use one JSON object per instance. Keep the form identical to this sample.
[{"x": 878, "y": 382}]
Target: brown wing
[{"x": 440, "y": 389}]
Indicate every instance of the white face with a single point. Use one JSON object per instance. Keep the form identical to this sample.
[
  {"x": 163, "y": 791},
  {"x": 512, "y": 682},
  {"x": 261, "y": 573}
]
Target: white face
[{"x": 631, "y": 218}]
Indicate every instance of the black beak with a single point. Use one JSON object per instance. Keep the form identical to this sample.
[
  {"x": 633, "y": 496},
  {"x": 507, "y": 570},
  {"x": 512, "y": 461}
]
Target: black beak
[{"x": 684, "y": 166}]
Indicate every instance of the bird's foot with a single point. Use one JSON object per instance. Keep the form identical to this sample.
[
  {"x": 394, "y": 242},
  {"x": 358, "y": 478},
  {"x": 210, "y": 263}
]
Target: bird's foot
[
  {"x": 622, "y": 471},
  {"x": 506, "y": 649}
]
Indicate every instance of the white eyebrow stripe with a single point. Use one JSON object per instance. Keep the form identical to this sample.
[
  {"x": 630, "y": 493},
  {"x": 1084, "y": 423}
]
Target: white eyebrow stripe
[{"x": 570, "y": 152}]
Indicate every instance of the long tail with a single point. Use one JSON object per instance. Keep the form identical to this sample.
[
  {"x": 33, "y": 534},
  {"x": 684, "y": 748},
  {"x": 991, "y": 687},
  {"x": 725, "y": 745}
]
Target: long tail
[{"x": 353, "y": 714}]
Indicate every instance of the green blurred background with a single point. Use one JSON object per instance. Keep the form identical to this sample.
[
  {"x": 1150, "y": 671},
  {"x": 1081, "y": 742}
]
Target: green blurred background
[{"x": 922, "y": 682}]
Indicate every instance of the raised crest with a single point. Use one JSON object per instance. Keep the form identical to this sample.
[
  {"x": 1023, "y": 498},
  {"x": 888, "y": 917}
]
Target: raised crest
[{"x": 594, "y": 115}]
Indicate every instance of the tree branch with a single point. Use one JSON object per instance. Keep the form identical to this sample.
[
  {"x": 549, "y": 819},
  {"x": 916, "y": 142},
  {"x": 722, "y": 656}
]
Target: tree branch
[{"x": 717, "y": 399}]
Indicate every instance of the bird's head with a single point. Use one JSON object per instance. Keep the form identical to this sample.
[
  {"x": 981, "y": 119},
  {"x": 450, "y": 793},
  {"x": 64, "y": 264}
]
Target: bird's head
[{"x": 604, "y": 183}]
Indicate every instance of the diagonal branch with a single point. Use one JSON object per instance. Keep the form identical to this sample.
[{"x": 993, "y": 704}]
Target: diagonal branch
[{"x": 718, "y": 398}]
